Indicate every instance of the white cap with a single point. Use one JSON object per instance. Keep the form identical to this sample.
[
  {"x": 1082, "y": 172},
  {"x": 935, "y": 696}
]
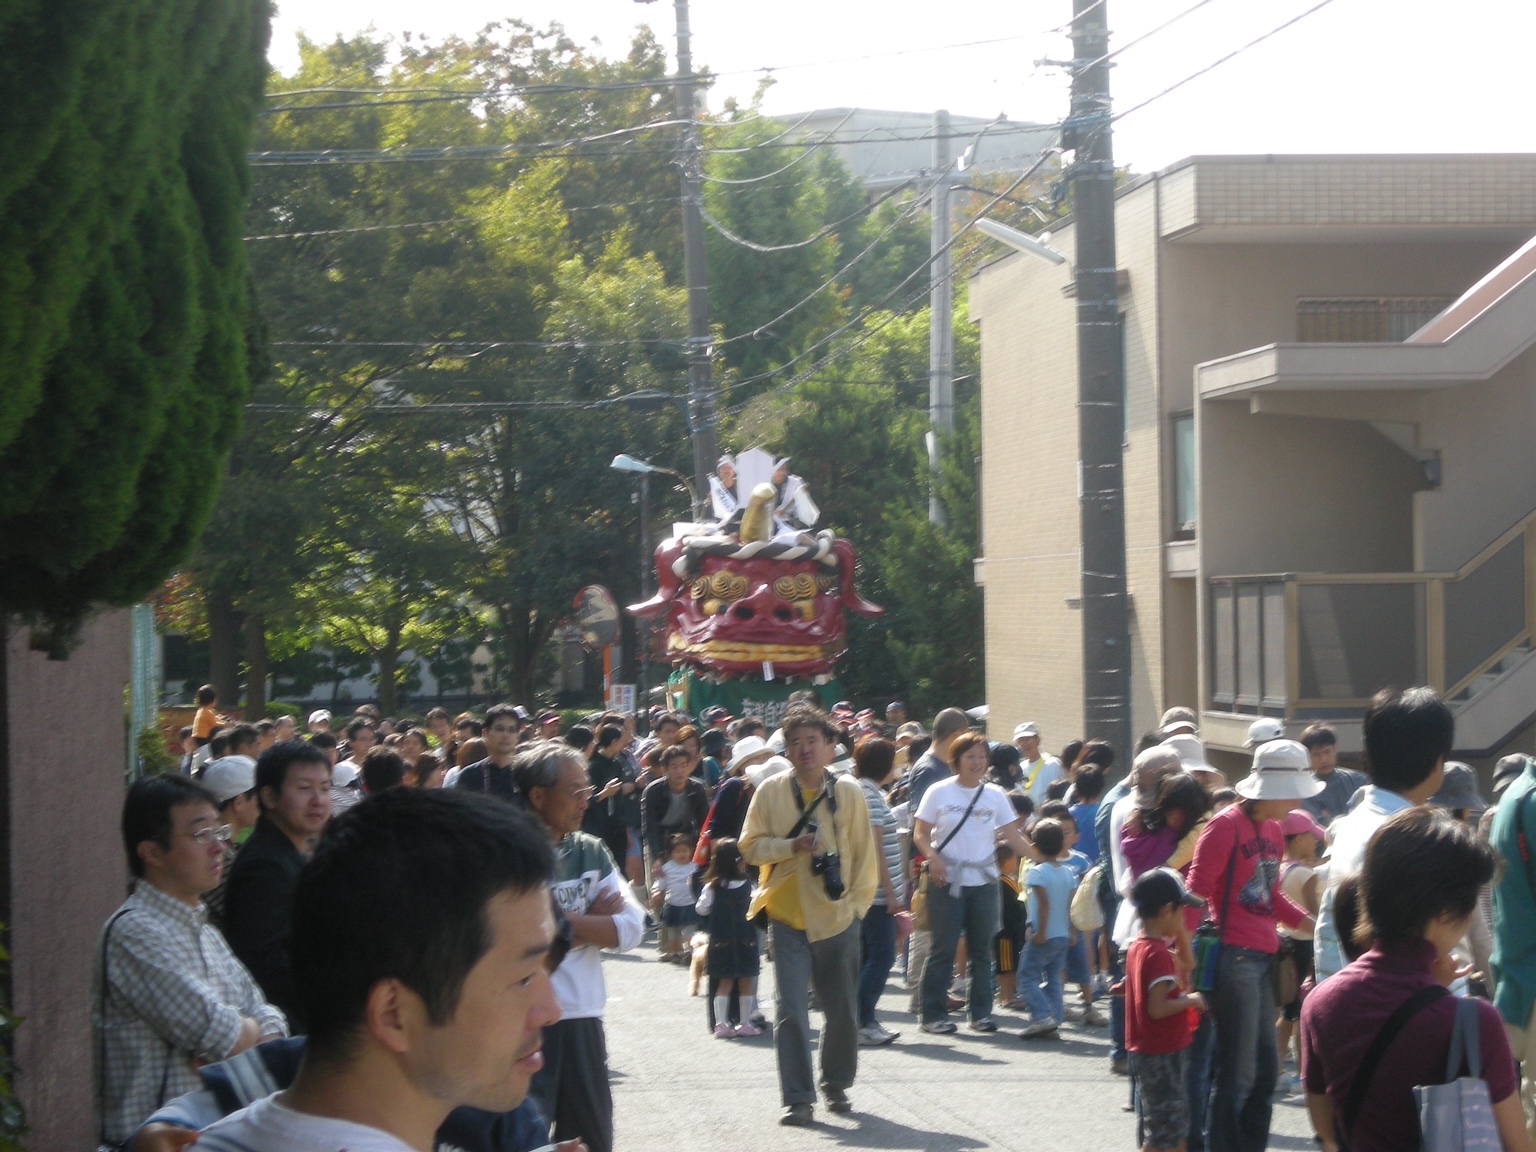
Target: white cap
[
  {"x": 344, "y": 773},
  {"x": 1263, "y": 730},
  {"x": 1282, "y": 770},
  {"x": 319, "y": 716},
  {"x": 230, "y": 776},
  {"x": 1027, "y": 728}
]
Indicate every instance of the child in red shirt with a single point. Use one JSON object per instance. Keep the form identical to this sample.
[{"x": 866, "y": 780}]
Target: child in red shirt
[{"x": 1159, "y": 1014}]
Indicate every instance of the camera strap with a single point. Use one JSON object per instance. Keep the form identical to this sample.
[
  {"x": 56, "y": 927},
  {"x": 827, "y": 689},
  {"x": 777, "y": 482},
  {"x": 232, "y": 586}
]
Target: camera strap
[{"x": 807, "y": 812}]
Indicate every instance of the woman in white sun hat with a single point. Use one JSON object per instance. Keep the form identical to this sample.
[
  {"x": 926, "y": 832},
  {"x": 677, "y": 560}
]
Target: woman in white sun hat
[{"x": 1237, "y": 871}]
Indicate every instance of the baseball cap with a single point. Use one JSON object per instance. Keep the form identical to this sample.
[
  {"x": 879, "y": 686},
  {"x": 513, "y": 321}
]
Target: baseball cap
[
  {"x": 1263, "y": 730},
  {"x": 714, "y": 713},
  {"x": 1027, "y": 728},
  {"x": 319, "y": 716},
  {"x": 1299, "y": 820},
  {"x": 1160, "y": 887},
  {"x": 546, "y": 716},
  {"x": 230, "y": 776},
  {"x": 1178, "y": 719}
]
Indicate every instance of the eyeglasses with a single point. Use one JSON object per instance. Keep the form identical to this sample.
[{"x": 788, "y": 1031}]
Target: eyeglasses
[
  {"x": 224, "y": 833},
  {"x": 584, "y": 793}
]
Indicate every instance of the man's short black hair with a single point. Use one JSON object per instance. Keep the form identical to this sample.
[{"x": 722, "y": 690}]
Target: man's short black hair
[
  {"x": 382, "y": 769},
  {"x": 1318, "y": 736},
  {"x": 804, "y": 716},
  {"x": 1407, "y": 732},
  {"x": 322, "y": 740},
  {"x": 357, "y": 725},
  {"x": 1422, "y": 864},
  {"x": 240, "y": 735},
  {"x": 272, "y": 766},
  {"x": 498, "y": 711},
  {"x": 1049, "y": 837},
  {"x": 264, "y": 726},
  {"x": 147, "y": 811},
  {"x": 398, "y": 890}
]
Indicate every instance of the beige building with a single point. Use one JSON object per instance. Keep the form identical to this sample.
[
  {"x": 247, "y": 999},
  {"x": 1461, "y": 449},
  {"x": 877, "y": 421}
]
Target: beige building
[{"x": 1330, "y": 465}]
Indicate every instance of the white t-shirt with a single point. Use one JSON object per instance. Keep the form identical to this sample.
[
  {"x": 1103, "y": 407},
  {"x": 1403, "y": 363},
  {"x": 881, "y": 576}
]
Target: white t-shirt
[
  {"x": 267, "y": 1126},
  {"x": 971, "y": 857},
  {"x": 1039, "y": 775}
]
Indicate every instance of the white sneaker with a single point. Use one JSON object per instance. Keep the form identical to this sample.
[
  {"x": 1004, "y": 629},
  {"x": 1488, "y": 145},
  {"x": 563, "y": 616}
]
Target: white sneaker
[
  {"x": 1038, "y": 1028},
  {"x": 874, "y": 1036},
  {"x": 1093, "y": 1017}
]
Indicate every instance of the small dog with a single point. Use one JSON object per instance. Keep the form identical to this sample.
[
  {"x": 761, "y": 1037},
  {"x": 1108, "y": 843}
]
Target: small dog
[{"x": 698, "y": 963}]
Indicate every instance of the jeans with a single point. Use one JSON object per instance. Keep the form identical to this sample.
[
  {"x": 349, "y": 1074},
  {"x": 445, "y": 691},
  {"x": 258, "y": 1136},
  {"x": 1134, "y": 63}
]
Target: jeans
[
  {"x": 833, "y": 964},
  {"x": 974, "y": 911},
  {"x": 1079, "y": 971},
  {"x": 1247, "y": 1063},
  {"x": 1197, "y": 1071},
  {"x": 878, "y": 944},
  {"x": 1043, "y": 963}
]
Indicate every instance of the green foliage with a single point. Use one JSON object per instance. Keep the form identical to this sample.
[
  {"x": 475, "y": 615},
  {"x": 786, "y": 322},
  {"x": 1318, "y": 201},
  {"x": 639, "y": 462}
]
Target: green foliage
[
  {"x": 122, "y": 290},
  {"x": 277, "y": 708},
  {"x": 13, "y": 1121},
  {"x": 154, "y": 755}
]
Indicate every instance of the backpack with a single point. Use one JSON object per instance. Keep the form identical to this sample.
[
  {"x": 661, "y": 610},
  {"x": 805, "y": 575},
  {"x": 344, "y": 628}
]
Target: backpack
[{"x": 1086, "y": 912}]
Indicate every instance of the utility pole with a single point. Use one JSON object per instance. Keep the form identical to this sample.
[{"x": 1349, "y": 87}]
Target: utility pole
[
  {"x": 941, "y": 314},
  {"x": 1101, "y": 395},
  {"x": 701, "y": 390},
  {"x": 643, "y": 627}
]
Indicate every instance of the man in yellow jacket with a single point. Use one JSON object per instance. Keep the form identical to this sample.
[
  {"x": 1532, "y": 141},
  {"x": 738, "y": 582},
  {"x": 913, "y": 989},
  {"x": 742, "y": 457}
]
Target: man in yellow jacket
[{"x": 808, "y": 830}]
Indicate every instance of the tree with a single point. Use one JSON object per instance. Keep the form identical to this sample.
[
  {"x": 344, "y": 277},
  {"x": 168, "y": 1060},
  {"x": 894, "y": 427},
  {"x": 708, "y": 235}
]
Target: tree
[{"x": 122, "y": 290}]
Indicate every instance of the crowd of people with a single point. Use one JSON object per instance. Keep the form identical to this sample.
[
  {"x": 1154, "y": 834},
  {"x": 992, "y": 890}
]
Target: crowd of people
[{"x": 383, "y": 935}]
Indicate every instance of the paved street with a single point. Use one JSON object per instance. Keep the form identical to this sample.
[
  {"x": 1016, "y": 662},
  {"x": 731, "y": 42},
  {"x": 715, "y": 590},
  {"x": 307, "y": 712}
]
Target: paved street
[{"x": 676, "y": 1086}]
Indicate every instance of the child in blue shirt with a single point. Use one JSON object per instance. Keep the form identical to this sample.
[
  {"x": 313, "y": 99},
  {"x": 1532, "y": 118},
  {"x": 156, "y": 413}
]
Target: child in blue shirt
[
  {"x": 1049, "y": 885},
  {"x": 1088, "y": 788},
  {"x": 1082, "y": 951}
]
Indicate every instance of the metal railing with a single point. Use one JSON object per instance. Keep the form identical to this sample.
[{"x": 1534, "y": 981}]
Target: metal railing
[{"x": 1309, "y": 644}]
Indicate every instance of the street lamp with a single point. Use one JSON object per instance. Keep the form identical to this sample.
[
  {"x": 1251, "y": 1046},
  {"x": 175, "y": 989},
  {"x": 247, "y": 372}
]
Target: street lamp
[
  {"x": 624, "y": 462},
  {"x": 1020, "y": 241}
]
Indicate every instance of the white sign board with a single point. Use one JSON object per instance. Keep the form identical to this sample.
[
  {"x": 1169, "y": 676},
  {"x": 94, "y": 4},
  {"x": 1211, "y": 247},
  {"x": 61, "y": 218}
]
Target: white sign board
[{"x": 621, "y": 697}]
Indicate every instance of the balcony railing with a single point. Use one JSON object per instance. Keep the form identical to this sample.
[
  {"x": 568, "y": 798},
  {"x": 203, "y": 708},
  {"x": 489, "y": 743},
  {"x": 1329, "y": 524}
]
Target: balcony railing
[{"x": 1310, "y": 645}]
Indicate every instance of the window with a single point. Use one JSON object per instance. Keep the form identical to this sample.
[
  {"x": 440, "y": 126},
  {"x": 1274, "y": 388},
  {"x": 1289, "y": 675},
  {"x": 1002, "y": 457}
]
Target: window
[
  {"x": 1365, "y": 319},
  {"x": 1184, "y": 475}
]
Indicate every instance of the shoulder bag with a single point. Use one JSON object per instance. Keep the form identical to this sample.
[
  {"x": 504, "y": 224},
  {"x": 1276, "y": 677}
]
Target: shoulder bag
[
  {"x": 919, "y": 904},
  {"x": 1457, "y": 1116},
  {"x": 1206, "y": 942}
]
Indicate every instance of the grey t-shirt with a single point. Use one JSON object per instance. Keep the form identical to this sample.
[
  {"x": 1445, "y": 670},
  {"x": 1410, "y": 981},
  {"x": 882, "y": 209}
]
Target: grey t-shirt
[{"x": 1333, "y": 801}]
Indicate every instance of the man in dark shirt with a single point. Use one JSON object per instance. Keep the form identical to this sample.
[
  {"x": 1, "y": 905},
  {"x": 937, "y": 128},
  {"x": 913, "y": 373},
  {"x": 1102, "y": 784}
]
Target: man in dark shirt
[
  {"x": 493, "y": 775},
  {"x": 933, "y": 766},
  {"x": 293, "y": 785},
  {"x": 677, "y": 803}
]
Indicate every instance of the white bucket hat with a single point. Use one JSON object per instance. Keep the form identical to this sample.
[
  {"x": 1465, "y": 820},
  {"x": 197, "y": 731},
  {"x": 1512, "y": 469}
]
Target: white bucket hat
[
  {"x": 1263, "y": 730},
  {"x": 1282, "y": 770},
  {"x": 1191, "y": 753},
  {"x": 746, "y": 748},
  {"x": 768, "y": 769}
]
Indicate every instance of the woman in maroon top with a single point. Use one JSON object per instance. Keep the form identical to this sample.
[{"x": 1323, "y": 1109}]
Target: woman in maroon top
[{"x": 1419, "y": 889}]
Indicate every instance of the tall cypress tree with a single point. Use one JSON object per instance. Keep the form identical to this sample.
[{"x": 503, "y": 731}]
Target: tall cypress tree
[{"x": 123, "y": 294}]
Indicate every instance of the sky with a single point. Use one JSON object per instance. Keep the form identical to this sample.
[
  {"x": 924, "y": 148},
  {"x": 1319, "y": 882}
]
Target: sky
[{"x": 1376, "y": 76}]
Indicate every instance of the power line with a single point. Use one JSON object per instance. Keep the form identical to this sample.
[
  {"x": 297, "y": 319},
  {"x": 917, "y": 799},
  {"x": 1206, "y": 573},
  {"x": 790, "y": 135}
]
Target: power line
[
  {"x": 810, "y": 148},
  {"x": 1129, "y": 44},
  {"x": 450, "y": 152},
  {"x": 821, "y": 234},
  {"x": 1218, "y": 63},
  {"x": 343, "y": 231}
]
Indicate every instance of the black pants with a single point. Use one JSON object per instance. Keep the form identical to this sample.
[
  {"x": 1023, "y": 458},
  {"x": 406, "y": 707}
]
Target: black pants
[{"x": 572, "y": 1088}]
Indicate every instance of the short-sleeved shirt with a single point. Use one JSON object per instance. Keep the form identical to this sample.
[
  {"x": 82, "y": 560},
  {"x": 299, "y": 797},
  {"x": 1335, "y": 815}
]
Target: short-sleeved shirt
[
  {"x": 268, "y": 1126},
  {"x": 1149, "y": 962},
  {"x": 1056, "y": 880},
  {"x": 1084, "y": 816},
  {"x": 880, "y": 817},
  {"x": 1341, "y": 1017},
  {"x": 971, "y": 857},
  {"x": 1333, "y": 801}
]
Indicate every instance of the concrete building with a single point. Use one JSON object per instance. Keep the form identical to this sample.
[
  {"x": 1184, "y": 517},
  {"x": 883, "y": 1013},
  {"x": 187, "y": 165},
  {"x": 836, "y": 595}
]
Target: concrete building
[{"x": 1330, "y": 481}]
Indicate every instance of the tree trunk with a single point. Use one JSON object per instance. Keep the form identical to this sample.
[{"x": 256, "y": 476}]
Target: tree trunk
[
  {"x": 389, "y": 672},
  {"x": 255, "y": 666},
  {"x": 224, "y": 648}
]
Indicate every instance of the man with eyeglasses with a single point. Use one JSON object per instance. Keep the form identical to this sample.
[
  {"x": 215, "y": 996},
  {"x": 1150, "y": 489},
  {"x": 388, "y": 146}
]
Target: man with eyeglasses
[
  {"x": 168, "y": 994},
  {"x": 293, "y": 786},
  {"x": 590, "y": 891}
]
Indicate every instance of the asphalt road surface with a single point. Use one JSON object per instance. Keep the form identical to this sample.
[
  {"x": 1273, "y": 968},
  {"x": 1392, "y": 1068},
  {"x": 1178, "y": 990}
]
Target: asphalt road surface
[{"x": 677, "y": 1087}]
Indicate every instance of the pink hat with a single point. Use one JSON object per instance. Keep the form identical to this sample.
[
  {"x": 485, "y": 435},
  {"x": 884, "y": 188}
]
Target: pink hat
[{"x": 1299, "y": 820}]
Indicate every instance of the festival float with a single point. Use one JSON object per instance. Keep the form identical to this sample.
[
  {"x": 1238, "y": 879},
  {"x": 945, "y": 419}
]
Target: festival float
[{"x": 754, "y": 602}]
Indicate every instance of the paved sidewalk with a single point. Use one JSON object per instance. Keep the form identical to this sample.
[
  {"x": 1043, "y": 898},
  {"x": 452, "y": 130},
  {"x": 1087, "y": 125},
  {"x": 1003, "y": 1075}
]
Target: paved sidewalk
[{"x": 677, "y": 1087}]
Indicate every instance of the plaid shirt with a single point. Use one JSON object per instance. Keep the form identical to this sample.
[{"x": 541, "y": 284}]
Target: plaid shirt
[{"x": 172, "y": 992}]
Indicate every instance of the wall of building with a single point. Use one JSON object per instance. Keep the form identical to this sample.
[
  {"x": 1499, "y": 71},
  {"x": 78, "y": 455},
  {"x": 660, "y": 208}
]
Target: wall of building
[
  {"x": 1487, "y": 464},
  {"x": 1299, "y": 494},
  {"x": 63, "y": 759},
  {"x": 1030, "y": 481}
]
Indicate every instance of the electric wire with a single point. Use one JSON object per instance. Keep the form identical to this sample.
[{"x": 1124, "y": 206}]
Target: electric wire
[
  {"x": 810, "y": 148},
  {"x": 1129, "y": 44},
  {"x": 821, "y": 233}
]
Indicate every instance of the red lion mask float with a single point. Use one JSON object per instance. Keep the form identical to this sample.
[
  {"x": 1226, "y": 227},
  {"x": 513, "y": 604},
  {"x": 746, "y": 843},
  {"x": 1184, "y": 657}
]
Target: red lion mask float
[{"x": 756, "y": 607}]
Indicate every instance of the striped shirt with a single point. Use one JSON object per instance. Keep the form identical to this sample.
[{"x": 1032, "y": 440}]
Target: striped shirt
[
  {"x": 166, "y": 991},
  {"x": 880, "y": 817}
]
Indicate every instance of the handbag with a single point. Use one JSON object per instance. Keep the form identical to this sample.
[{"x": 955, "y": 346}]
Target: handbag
[
  {"x": 1086, "y": 912},
  {"x": 1344, "y": 1122},
  {"x": 1457, "y": 1116},
  {"x": 1206, "y": 942}
]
